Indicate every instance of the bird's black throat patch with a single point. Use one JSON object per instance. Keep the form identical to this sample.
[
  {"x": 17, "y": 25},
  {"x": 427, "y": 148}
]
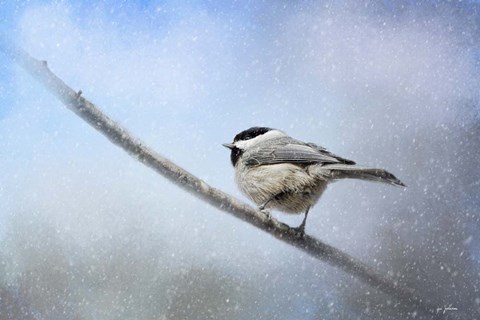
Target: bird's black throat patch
[{"x": 235, "y": 155}]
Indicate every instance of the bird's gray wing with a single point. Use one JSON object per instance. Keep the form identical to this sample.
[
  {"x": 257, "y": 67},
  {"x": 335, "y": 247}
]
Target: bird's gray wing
[
  {"x": 325, "y": 151},
  {"x": 290, "y": 151}
]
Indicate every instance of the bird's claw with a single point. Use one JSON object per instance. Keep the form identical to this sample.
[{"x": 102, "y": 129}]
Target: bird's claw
[
  {"x": 266, "y": 212},
  {"x": 299, "y": 231}
]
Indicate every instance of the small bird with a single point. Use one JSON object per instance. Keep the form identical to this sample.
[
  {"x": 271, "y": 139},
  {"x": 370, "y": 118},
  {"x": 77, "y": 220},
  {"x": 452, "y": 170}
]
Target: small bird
[{"x": 279, "y": 172}]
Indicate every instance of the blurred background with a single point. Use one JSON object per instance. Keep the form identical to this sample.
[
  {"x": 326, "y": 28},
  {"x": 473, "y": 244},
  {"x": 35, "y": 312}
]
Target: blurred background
[{"x": 87, "y": 232}]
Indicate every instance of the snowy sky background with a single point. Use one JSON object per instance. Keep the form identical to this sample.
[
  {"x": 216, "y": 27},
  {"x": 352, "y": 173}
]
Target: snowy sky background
[{"x": 87, "y": 229}]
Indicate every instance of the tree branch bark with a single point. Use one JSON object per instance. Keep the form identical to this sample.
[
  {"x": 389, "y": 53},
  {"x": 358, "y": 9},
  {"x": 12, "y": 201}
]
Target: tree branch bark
[{"x": 217, "y": 198}]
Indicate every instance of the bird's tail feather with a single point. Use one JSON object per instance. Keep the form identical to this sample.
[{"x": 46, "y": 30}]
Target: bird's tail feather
[{"x": 344, "y": 171}]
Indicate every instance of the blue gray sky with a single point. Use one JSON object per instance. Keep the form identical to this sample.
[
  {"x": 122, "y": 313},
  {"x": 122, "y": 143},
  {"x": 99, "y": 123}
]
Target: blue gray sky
[{"x": 387, "y": 84}]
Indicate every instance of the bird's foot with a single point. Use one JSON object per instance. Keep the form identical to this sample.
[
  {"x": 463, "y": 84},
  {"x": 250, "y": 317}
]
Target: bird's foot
[
  {"x": 266, "y": 212},
  {"x": 299, "y": 231},
  {"x": 274, "y": 222}
]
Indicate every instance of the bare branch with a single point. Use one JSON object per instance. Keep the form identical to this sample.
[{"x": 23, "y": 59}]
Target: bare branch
[{"x": 219, "y": 199}]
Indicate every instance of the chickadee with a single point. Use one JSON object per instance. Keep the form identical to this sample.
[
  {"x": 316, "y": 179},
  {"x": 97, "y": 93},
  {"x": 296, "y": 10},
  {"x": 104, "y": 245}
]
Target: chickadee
[{"x": 277, "y": 171}]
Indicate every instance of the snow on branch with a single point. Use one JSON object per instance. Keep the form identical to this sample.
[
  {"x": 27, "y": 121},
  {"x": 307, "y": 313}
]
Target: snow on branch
[{"x": 121, "y": 137}]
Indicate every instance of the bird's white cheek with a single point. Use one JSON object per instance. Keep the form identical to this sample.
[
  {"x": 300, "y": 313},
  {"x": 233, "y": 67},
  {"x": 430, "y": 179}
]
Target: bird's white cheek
[{"x": 244, "y": 144}]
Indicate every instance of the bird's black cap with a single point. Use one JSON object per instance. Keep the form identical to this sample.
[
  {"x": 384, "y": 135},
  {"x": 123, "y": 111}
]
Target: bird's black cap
[
  {"x": 251, "y": 133},
  {"x": 242, "y": 136}
]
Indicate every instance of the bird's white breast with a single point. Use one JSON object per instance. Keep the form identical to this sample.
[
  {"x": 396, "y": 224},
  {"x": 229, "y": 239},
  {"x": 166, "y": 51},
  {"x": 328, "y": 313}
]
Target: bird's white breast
[{"x": 298, "y": 188}]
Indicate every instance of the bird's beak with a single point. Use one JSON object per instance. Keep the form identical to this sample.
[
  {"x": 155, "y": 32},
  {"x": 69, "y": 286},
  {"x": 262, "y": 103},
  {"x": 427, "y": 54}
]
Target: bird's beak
[{"x": 228, "y": 145}]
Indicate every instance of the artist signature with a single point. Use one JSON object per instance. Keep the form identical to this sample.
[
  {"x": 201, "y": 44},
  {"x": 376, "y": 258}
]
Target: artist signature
[{"x": 446, "y": 308}]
